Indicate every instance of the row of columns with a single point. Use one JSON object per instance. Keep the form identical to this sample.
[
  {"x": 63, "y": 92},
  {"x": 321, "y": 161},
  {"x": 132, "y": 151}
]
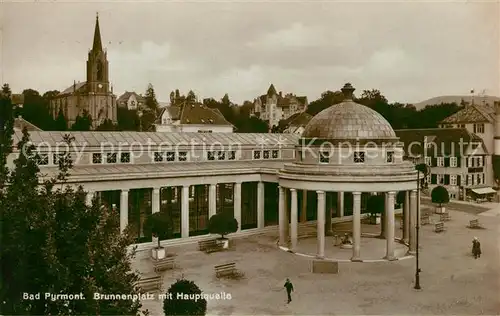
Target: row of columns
[
  {"x": 212, "y": 206},
  {"x": 324, "y": 220}
]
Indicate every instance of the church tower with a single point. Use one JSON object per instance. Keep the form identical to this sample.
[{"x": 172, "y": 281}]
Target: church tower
[{"x": 97, "y": 65}]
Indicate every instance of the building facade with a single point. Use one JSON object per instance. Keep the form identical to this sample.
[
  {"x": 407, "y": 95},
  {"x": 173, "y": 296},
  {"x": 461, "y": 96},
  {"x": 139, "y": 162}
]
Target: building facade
[
  {"x": 192, "y": 118},
  {"x": 95, "y": 95},
  {"x": 130, "y": 101},
  {"x": 273, "y": 107}
]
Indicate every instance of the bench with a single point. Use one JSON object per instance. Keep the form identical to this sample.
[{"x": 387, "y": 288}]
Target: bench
[
  {"x": 150, "y": 283},
  {"x": 209, "y": 246},
  {"x": 163, "y": 264},
  {"x": 439, "y": 227},
  {"x": 445, "y": 217},
  {"x": 227, "y": 269},
  {"x": 425, "y": 220},
  {"x": 474, "y": 224}
]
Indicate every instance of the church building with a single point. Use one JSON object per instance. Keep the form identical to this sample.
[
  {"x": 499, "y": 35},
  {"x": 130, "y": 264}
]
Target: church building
[{"x": 94, "y": 95}]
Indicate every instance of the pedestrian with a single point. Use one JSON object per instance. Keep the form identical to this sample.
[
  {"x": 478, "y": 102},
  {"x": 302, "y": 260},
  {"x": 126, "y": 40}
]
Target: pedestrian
[
  {"x": 476, "y": 248},
  {"x": 289, "y": 289}
]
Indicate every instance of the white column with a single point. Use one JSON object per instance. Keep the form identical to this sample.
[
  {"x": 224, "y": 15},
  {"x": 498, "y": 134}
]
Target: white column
[
  {"x": 328, "y": 214},
  {"x": 406, "y": 217},
  {"x": 384, "y": 215},
  {"x": 356, "y": 227},
  {"x": 212, "y": 200},
  {"x": 237, "y": 203},
  {"x": 155, "y": 203},
  {"x": 281, "y": 210},
  {"x": 123, "y": 210},
  {"x": 90, "y": 197},
  {"x": 285, "y": 213},
  {"x": 321, "y": 224},
  {"x": 185, "y": 212},
  {"x": 294, "y": 219},
  {"x": 260, "y": 204},
  {"x": 390, "y": 226},
  {"x": 413, "y": 222},
  {"x": 340, "y": 204}
]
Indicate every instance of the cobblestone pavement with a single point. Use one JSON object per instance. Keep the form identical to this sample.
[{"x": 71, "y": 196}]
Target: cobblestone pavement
[{"x": 452, "y": 281}]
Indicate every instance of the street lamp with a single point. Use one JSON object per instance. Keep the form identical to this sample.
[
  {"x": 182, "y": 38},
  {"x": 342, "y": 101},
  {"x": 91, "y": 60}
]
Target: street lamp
[
  {"x": 420, "y": 168},
  {"x": 139, "y": 114}
]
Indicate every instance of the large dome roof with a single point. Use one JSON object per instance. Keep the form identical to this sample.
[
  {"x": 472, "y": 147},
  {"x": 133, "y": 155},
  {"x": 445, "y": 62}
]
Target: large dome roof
[{"x": 349, "y": 120}]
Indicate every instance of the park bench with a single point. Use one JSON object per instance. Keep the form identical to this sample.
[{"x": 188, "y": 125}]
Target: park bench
[
  {"x": 445, "y": 217},
  {"x": 150, "y": 283},
  {"x": 425, "y": 219},
  {"x": 209, "y": 246},
  {"x": 227, "y": 269},
  {"x": 474, "y": 224},
  {"x": 439, "y": 227},
  {"x": 163, "y": 264}
]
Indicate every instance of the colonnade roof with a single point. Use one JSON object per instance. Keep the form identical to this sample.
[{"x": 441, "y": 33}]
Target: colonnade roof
[{"x": 98, "y": 138}]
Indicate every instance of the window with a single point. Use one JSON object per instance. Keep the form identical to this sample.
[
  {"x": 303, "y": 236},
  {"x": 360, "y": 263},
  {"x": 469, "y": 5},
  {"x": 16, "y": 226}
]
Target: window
[
  {"x": 42, "y": 159},
  {"x": 211, "y": 155},
  {"x": 97, "y": 158},
  {"x": 440, "y": 161},
  {"x": 479, "y": 162},
  {"x": 170, "y": 156},
  {"x": 428, "y": 179},
  {"x": 453, "y": 162},
  {"x": 483, "y": 179},
  {"x": 390, "y": 157},
  {"x": 479, "y": 128},
  {"x": 125, "y": 157},
  {"x": 266, "y": 154},
  {"x": 221, "y": 155},
  {"x": 111, "y": 158},
  {"x": 440, "y": 179},
  {"x": 183, "y": 156},
  {"x": 158, "y": 157},
  {"x": 231, "y": 155},
  {"x": 469, "y": 179},
  {"x": 58, "y": 157},
  {"x": 164, "y": 121},
  {"x": 428, "y": 161},
  {"x": 478, "y": 178},
  {"x": 359, "y": 157},
  {"x": 256, "y": 154},
  {"x": 324, "y": 157},
  {"x": 453, "y": 179},
  {"x": 275, "y": 154}
]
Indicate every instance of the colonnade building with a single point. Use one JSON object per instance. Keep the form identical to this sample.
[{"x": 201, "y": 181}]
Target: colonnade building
[{"x": 346, "y": 153}]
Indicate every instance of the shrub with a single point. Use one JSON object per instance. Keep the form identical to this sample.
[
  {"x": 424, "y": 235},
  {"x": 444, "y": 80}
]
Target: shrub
[
  {"x": 185, "y": 305},
  {"x": 440, "y": 195},
  {"x": 376, "y": 204},
  {"x": 222, "y": 224},
  {"x": 160, "y": 225}
]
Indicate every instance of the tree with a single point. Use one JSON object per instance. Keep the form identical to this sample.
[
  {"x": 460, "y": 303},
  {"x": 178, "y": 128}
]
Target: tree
[
  {"x": 52, "y": 242},
  {"x": 6, "y": 131},
  {"x": 160, "y": 224},
  {"x": 439, "y": 195},
  {"x": 60, "y": 123},
  {"x": 36, "y": 110},
  {"x": 83, "y": 122},
  {"x": 151, "y": 109},
  {"x": 190, "y": 301},
  {"x": 107, "y": 125},
  {"x": 223, "y": 223}
]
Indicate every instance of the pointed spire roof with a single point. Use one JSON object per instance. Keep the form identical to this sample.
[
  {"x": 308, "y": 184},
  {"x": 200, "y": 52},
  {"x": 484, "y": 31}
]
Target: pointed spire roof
[
  {"x": 97, "y": 46},
  {"x": 272, "y": 90}
]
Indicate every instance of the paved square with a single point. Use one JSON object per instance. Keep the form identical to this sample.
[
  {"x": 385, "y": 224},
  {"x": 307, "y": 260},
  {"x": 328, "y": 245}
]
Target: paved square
[{"x": 452, "y": 281}]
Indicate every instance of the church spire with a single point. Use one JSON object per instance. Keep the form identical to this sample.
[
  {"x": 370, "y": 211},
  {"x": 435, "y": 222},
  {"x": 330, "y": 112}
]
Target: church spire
[{"x": 97, "y": 46}]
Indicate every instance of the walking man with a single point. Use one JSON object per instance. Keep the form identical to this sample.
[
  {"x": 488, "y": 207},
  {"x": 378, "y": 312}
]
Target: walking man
[
  {"x": 289, "y": 288},
  {"x": 476, "y": 248}
]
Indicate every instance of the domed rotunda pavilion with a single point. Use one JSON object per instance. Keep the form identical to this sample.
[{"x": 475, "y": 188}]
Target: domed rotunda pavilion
[{"x": 348, "y": 148}]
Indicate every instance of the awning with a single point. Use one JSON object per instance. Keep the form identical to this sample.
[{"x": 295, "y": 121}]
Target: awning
[{"x": 487, "y": 190}]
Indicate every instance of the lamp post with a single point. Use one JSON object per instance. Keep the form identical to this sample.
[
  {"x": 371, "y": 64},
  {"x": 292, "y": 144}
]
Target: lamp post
[
  {"x": 417, "y": 268},
  {"x": 139, "y": 114}
]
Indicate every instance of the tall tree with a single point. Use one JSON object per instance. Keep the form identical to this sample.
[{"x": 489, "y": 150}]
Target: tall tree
[
  {"x": 52, "y": 242},
  {"x": 83, "y": 122},
  {"x": 107, "y": 125},
  {"x": 327, "y": 99},
  {"x": 6, "y": 131},
  {"x": 60, "y": 123},
  {"x": 150, "y": 112},
  {"x": 36, "y": 110}
]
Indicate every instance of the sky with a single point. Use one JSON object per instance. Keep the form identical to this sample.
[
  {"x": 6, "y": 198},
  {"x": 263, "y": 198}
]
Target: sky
[{"x": 409, "y": 50}]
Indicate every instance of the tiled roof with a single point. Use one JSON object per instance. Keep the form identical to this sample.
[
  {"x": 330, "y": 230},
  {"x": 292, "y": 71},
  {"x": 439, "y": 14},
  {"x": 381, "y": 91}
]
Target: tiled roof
[
  {"x": 302, "y": 100},
  {"x": 271, "y": 91},
  {"x": 201, "y": 114},
  {"x": 20, "y": 123},
  {"x": 74, "y": 87},
  {"x": 96, "y": 139},
  {"x": 173, "y": 111},
  {"x": 284, "y": 101},
  {"x": 447, "y": 140},
  {"x": 298, "y": 119},
  {"x": 126, "y": 96},
  {"x": 472, "y": 114}
]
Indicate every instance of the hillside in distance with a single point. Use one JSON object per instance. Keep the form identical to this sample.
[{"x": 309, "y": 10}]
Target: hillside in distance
[{"x": 457, "y": 99}]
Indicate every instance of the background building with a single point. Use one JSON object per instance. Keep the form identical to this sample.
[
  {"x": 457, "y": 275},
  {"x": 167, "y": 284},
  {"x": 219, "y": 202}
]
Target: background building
[
  {"x": 94, "y": 95},
  {"x": 130, "y": 101}
]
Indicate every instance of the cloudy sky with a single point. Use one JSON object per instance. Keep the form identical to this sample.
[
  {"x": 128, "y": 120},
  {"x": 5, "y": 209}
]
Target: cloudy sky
[{"x": 409, "y": 50}]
